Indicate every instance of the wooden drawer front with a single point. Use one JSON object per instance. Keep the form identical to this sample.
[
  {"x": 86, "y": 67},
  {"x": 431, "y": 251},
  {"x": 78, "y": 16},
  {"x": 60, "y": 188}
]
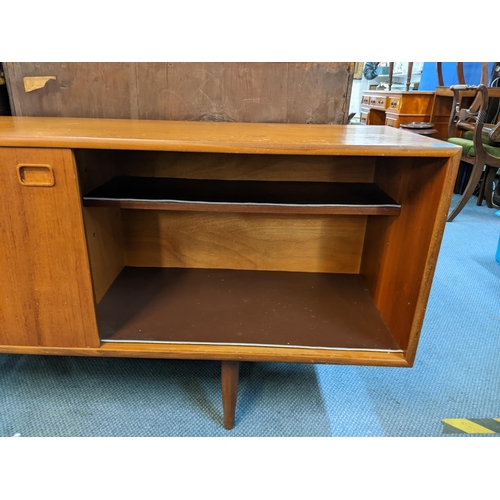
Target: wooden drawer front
[
  {"x": 365, "y": 117},
  {"x": 394, "y": 104},
  {"x": 395, "y": 119},
  {"x": 365, "y": 100},
  {"x": 380, "y": 101},
  {"x": 392, "y": 121}
]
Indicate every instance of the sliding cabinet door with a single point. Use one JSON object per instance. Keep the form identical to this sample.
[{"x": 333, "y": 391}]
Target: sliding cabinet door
[{"x": 45, "y": 285}]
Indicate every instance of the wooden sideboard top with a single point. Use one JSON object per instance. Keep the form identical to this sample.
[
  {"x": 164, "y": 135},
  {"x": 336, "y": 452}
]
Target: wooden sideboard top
[{"x": 227, "y": 137}]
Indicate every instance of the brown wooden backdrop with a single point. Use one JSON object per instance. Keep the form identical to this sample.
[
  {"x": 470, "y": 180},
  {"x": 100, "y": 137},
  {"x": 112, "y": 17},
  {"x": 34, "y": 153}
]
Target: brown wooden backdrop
[{"x": 242, "y": 92}]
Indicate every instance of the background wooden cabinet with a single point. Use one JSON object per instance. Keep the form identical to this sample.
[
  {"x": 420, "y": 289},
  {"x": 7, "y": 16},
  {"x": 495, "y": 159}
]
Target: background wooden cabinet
[
  {"x": 394, "y": 108},
  {"x": 239, "y": 92}
]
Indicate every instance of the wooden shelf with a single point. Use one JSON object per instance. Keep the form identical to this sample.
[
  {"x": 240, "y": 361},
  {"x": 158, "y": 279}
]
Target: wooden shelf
[
  {"x": 159, "y": 193},
  {"x": 266, "y": 308}
]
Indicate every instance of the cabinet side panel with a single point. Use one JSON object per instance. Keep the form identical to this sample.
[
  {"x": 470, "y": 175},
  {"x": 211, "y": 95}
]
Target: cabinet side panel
[
  {"x": 400, "y": 253},
  {"x": 96, "y": 167},
  {"x": 244, "y": 241},
  {"x": 105, "y": 245},
  {"x": 45, "y": 287},
  {"x": 416, "y": 104}
]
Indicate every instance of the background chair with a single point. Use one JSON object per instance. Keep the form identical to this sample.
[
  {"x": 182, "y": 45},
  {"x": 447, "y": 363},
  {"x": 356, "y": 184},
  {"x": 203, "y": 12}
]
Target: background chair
[
  {"x": 480, "y": 143},
  {"x": 461, "y": 73}
]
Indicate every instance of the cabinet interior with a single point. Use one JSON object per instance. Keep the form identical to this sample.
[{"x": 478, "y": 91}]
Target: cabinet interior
[{"x": 306, "y": 276}]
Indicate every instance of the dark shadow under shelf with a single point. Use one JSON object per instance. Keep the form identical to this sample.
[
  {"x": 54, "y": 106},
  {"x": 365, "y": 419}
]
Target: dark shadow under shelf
[
  {"x": 262, "y": 308},
  {"x": 160, "y": 193}
]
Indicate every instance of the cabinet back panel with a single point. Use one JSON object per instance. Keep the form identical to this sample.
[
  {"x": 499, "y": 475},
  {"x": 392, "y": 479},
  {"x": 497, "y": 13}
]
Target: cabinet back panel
[
  {"x": 245, "y": 166},
  {"x": 244, "y": 241}
]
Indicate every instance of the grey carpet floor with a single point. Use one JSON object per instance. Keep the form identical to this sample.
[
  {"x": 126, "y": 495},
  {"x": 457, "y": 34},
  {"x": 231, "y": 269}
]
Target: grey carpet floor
[{"x": 456, "y": 374}]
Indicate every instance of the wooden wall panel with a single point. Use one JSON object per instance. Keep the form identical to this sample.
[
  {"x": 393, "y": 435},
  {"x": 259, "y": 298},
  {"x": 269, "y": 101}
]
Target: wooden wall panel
[
  {"x": 330, "y": 95},
  {"x": 90, "y": 90},
  {"x": 242, "y": 92}
]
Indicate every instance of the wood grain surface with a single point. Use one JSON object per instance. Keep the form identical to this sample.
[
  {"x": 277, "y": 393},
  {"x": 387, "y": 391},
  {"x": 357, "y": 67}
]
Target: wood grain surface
[
  {"x": 223, "y": 306},
  {"x": 236, "y": 92},
  {"x": 256, "y": 138},
  {"x": 400, "y": 255},
  {"x": 45, "y": 286},
  {"x": 310, "y": 243},
  {"x": 239, "y": 167},
  {"x": 230, "y": 371},
  {"x": 103, "y": 230},
  {"x": 220, "y": 352}
]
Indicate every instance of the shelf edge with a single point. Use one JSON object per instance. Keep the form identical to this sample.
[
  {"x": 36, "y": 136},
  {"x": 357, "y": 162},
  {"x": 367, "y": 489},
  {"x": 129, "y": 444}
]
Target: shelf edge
[
  {"x": 242, "y": 344},
  {"x": 244, "y": 207}
]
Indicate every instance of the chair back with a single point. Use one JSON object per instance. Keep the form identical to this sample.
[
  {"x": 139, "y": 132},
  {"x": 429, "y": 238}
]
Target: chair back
[{"x": 460, "y": 73}]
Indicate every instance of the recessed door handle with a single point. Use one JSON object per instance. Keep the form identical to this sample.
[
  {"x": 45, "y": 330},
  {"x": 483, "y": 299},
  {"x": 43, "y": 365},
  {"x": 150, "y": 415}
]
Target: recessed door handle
[{"x": 36, "y": 175}]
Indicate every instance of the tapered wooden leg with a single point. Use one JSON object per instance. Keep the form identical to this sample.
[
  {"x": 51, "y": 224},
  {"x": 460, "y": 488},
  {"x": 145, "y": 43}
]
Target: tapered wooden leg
[{"x": 229, "y": 374}]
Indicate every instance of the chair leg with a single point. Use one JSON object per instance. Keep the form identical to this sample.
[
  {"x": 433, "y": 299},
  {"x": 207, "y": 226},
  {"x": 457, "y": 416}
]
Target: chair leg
[
  {"x": 462, "y": 173},
  {"x": 480, "y": 196},
  {"x": 489, "y": 177},
  {"x": 474, "y": 179}
]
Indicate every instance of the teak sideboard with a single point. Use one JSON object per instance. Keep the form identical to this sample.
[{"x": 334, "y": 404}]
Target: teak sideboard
[{"x": 222, "y": 241}]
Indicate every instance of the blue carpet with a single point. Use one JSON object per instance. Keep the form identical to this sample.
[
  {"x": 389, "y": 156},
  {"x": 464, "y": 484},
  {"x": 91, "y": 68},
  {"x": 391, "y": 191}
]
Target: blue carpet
[{"x": 456, "y": 374}]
